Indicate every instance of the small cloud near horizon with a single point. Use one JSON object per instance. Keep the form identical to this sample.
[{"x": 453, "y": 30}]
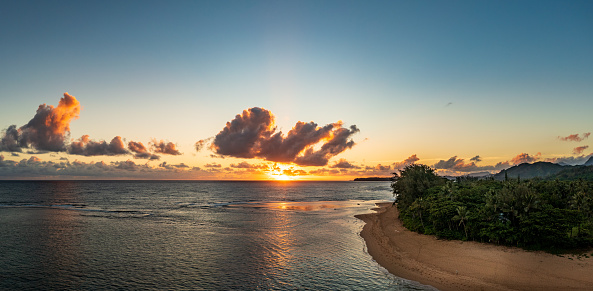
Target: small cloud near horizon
[
  {"x": 575, "y": 137},
  {"x": 579, "y": 150}
]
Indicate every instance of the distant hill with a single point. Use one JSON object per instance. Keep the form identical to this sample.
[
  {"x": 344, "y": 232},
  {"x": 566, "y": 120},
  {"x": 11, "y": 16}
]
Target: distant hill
[
  {"x": 373, "y": 179},
  {"x": 528, "y": 171},
  {"x": 589, "y": 162},
  {"x": 574, "y": 173},
  {"x": 480, "y": 174}
]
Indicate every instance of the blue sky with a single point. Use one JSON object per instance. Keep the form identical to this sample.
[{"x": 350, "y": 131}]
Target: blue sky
[{"x": 432, "y": 78}]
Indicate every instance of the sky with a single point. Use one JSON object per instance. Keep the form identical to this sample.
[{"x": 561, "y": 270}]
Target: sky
[{"x": 298, "y": 90}]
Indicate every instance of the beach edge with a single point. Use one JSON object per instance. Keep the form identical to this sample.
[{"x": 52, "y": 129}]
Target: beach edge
[{"x": 457, "y": 265}]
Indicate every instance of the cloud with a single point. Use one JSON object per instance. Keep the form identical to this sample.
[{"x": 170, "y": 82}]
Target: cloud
[
  {"x": 575, "y": 137},
  {"x": 337, "y": 142},
  {"x": 455, "y": 164},
  {"x": 408, "y": 161},
  {"x": 294, "y": 172},
  {"x": 126, "y": 165},
  {"x": 324, "y": 172},
  {"x": 252, "y": 134},
  {"x": 380, "y": 167},
  {"x": 459, "y": 165},
  {"x": 36, "y": 168},
  {"x": 10, "y": 140},
  {"x": 579, "y": 150},
  {"x": 166, "y": 148},
  {"x": 212, "y": 165},
  {"x": 570, "y": 160},
  {"x": 344, "y": 164},
  {"x": 46, "y": 131},
  {"x": 141, "y": 152},
  {"x": 246, "y": 165},
  {"x": 525, "y": 158},
  {"x": 200, "y": 144},
  {"x": 173, "y": 167},
  {"x": 84, "y": 146},
  {"x": 49, "y": 130}
]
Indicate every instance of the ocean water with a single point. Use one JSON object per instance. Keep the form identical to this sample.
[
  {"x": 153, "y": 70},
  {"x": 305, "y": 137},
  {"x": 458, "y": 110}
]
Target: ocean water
[{"x": 189, "y": 235}]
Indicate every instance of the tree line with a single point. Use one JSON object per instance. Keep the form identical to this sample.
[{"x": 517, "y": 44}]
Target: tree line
[{"x": 534, "y": 214}]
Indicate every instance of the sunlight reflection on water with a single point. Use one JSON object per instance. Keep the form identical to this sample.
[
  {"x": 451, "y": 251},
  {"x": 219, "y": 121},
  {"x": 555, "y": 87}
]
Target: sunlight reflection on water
[{"x": 187, "y": 235}]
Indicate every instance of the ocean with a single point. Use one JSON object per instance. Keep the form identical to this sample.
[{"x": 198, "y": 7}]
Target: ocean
[{"x": 189, "y": 235}]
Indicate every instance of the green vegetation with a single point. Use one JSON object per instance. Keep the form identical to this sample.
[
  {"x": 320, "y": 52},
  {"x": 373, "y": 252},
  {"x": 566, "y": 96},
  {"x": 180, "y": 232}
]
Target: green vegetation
[
  {"x": 534, "y": 214},
  {"x": 574, "y": 173},
  {"x": 528, "y": 171}
]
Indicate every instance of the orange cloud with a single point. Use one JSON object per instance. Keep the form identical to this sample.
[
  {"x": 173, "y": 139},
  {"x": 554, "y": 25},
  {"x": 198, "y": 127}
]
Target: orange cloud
[
  {"x": 141, "y": 152},
  {"x": 201, "y": 144},
  {"x": 525, "y": 158},
  {"x": 162, "y": 147},
  {"x": 579, "y": 150},
  {"x": 47, "y": 130},
  {"x": 575, "y": 137}
]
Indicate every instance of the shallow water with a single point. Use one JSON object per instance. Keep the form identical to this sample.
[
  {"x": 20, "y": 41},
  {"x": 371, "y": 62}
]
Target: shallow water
[{"x": 189, "y": 235}]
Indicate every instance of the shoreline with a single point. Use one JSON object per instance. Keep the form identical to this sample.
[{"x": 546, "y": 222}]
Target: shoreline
[{"x": 458, "y": 265}]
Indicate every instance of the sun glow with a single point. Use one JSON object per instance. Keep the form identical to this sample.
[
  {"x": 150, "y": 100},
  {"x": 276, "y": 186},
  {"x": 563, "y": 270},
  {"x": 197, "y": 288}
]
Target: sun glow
[
  {"x": 281, "y": 173},
  {"x": 282, "y": 177}
]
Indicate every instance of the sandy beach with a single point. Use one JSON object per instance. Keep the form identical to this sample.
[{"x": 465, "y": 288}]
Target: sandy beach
[{"x": 457, "y": 265}]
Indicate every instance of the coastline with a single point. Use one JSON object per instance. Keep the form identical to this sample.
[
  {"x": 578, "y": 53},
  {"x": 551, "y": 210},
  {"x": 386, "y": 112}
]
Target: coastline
[{"x": 457, "y": 265}]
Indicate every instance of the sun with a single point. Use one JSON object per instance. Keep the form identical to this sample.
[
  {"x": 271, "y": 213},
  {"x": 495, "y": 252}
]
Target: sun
[{"x": 282, "y": 177}]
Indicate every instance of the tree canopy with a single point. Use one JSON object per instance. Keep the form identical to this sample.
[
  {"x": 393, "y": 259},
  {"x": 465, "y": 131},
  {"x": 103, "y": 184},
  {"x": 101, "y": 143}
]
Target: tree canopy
[{"x": 534, "y": 214}]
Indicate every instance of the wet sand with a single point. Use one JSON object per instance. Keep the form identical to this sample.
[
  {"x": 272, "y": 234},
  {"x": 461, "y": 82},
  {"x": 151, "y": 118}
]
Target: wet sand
[{"x": 457, "y": 265}]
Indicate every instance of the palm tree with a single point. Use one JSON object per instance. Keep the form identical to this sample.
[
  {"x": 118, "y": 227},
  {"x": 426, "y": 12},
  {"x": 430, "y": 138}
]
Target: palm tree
[{"x": 462, "y": 217}]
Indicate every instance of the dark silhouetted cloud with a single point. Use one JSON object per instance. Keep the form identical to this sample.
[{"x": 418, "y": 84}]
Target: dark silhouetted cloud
[
  {"x": 36, "y": 168},
  {"x": 459, "y": 165},
  {"x": 212, "y": 165},
  {"x": 173, "y": 167},
  {"x": 455, "y": 164},
  {"x": 344, "y": 164},
  {"x": 84, "y": 146},
  {"x": 163, "y": 147},
  {"x": 241, "y": 165},
  {"x": 140, "y": 151},
  {"x": 380, "y": 167},
  {"x": 252, "y": 134},
  {"x": 126, "y": 165},
  {"x": 476, "y": 159},
  {"x": 408, "y": 161},
  {"x": 10, "y": 140}
]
